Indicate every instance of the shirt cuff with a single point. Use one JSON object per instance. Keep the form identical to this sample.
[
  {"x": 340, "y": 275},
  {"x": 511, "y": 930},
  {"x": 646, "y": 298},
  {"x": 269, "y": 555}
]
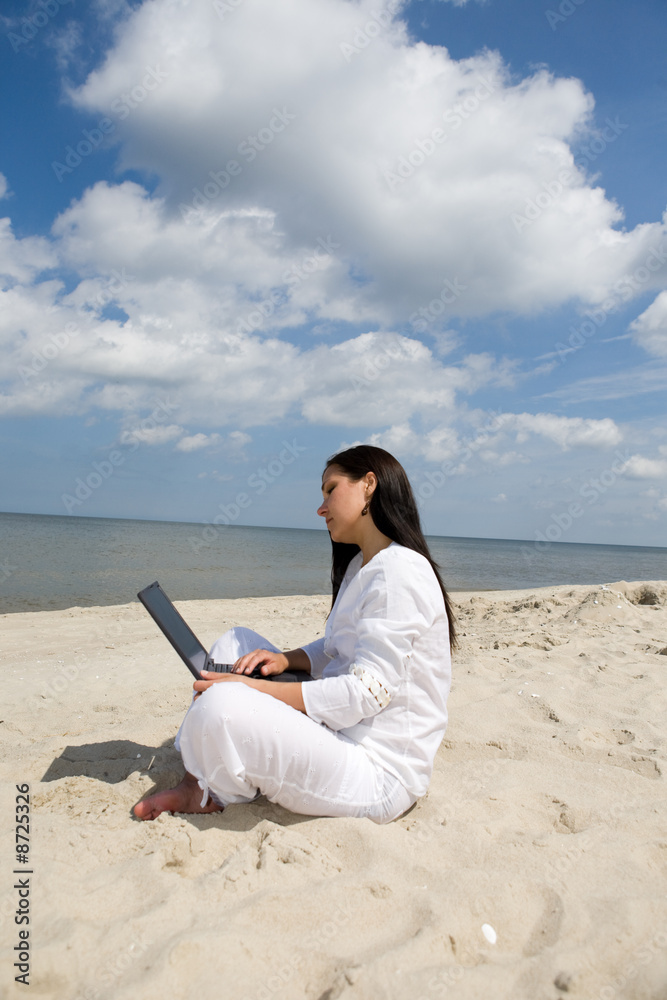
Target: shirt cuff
[
  {"x": 339, "y": 702},
  {"x": 318, "y": 658}
]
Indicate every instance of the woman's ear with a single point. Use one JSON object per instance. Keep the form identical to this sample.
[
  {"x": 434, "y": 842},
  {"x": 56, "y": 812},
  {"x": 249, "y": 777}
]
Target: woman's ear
[{"x": 371, "y": 482}]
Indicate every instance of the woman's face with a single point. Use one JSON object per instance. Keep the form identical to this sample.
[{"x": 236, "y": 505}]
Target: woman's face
[{"x": 343, "y": 503}]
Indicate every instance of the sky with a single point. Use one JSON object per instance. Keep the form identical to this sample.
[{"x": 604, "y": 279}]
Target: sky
[{"x": 239, "y": 235}]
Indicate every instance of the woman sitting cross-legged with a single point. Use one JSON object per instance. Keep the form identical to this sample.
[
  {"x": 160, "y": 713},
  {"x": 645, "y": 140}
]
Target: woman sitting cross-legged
[{"x": 358, "y": 736}]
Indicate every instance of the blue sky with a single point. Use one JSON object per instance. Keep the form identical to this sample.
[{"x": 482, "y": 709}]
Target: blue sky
[{"x": 240, "y": 235}]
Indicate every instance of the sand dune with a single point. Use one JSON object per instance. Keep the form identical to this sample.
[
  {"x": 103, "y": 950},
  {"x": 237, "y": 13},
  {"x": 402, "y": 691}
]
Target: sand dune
[{"x": 536, "y": 866}]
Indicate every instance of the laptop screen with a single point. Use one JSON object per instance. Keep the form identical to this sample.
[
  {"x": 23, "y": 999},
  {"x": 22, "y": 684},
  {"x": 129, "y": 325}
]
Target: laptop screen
[{"x": 180, "y": 635}]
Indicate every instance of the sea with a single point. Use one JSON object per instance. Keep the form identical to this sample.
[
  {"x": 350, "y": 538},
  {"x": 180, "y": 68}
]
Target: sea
[{"x": 50, "y": 562}]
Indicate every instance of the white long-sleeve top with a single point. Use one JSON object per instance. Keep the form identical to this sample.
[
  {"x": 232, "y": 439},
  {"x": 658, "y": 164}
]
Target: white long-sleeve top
[{"x": 383, "y": 670}]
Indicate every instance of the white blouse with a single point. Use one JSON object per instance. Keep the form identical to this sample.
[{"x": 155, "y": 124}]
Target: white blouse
[{"x": 383, "y": 670}]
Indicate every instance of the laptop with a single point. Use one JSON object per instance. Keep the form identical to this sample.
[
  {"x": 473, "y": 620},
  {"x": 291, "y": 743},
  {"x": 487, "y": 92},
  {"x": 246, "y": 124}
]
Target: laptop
[{"x": 186, "y": 643}]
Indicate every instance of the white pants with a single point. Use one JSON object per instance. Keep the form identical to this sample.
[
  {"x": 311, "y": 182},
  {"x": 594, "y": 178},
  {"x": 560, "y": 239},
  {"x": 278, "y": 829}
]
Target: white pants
[{"x": 239, "y": 742}]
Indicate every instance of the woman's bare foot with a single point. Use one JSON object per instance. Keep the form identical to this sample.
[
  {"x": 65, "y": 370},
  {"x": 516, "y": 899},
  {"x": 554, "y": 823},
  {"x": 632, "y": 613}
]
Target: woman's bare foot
[{"x": 184, "y": 798}]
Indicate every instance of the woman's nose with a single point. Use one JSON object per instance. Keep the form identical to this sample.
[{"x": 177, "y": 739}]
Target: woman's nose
[{"x": 322, "y": 509}]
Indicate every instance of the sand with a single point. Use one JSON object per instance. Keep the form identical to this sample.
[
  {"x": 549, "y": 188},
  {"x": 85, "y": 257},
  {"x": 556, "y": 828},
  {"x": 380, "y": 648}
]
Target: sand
[{"x": 536, "y": 866}]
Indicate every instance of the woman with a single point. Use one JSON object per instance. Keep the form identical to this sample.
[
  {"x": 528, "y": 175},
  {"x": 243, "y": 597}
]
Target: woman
[{"x": 359, "y": 735}]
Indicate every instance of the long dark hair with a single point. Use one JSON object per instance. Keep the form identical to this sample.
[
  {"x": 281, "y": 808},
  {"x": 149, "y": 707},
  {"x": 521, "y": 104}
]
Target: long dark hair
[{"x": 394, "y": 512}]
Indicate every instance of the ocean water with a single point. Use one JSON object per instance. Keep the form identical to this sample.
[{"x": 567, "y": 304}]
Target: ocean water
[{"x": 49, "y": 561}]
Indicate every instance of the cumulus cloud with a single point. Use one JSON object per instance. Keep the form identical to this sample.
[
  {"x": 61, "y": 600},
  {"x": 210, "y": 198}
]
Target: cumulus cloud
[
  {"x": 650, "y": 328},
  {"x": 4, "y": 186},
  {"x": 465, "y": 442},
  {"x": 343, "y": 144},
  {"x": 640, "y": 467},
  {"x": 21, "y": 260},
  {"x": 185, "y": 332},
  {"x": 305, "y": 186},
  {"x": 566, "y": 432}
]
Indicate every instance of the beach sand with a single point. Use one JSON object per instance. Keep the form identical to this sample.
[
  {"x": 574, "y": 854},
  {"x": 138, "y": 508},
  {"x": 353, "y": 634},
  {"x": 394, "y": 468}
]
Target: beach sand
[{"x": 545, "y": 824}]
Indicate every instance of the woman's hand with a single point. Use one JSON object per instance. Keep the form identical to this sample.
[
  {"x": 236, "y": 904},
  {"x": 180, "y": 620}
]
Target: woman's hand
[
  {"x": 268, "y": 661},
  {"x": 210, "y": 677}
]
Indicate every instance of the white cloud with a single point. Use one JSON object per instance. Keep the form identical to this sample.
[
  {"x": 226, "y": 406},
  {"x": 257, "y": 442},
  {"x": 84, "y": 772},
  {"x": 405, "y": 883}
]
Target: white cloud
[
  {"x": 446, "y": 341},
  {"x": 151, "y": 435},
  {"x": 21, "y": 260},
  {"x": 239, "y": 440},
  {"x": 639, "y": 467},
  {"x": 196, "y": 441},
  {"x": 650, "y": 329},
  {"x": 4, "y": 187},
  {"x": 354, "y": 123},
  {"x": 310, "y": 234},
  {"x": 461, "y": 441},
  {"x": 233, "y": 446},
  {"x": 566, "y": 432},
  {"x": 186, "y": 332}
]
